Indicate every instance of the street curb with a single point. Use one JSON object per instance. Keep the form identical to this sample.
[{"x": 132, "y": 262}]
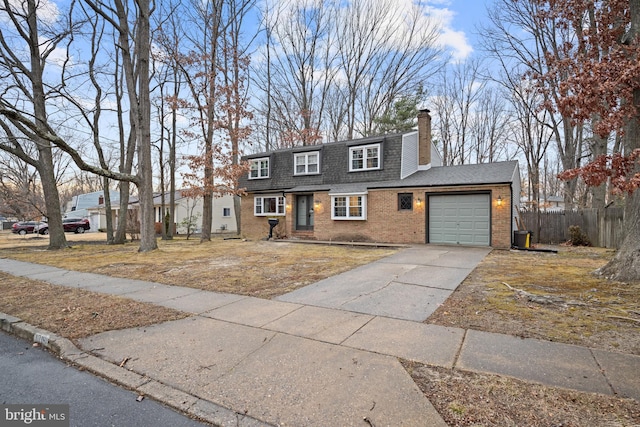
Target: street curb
[{"x": 169, "y": 396}]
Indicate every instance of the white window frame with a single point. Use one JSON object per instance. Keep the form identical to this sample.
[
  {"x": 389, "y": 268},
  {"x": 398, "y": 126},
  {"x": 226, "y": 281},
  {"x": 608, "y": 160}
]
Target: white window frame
[
  {"x": 365, "y": 157},
  {"x": 305, "y": 163},
  {"x": 256, "y": 166},
  {"x": 226, "y": 212},
  {"x": 349, "y": 198},
  {"x": 259, "y": 205}
]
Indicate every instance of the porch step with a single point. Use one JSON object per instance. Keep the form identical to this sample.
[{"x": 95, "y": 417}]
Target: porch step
[{"x": 303, "y": 234}]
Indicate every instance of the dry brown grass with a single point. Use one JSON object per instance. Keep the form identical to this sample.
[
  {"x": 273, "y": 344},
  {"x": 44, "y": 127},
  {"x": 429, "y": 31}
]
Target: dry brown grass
[
  {"x": 589, "y": 311},
  {"x": 256, "y": 268},
  {"x": 470, "y": 399},
  {"x": 75, "y": 313},
  {"x": 261, "y": 269}
]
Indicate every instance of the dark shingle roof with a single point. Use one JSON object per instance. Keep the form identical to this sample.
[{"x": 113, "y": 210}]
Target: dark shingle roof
[
  {"x": 485, "y": 173},
  {"x": 480, "y": 174}
]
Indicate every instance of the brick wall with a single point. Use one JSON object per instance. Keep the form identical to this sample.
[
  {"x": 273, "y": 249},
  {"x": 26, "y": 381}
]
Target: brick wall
[{"x": 384, "y": 223}]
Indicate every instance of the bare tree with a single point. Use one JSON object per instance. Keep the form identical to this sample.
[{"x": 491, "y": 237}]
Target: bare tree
[
  {"x": 200, "y": 71},
  {"x": 24, "y": 97},
  {"x": 135, "y": 55},
  {"x": 234, "y": 101},
  {"x": 489, "y": 127},
  {"x": 602, "y": 80},
  {"x": 20, "y": 192},
  {"x": 38, "y": 126},
  {"x": 532, "y": 135},
  {"x": 331, "y": 69},
  {"x": 299, "y": 40},
  {"x": 384, "y": 52},
  {"x": 527, "y": 56},
  {"x": 457, "y": 95},
  {"x": 212, "y": 71},
  {"x": 91, "y": 116},
  {"x": 169, "y": 78}
]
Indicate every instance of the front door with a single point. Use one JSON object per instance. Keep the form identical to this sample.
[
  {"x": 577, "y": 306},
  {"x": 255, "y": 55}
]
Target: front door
[{"x": 304, "y": 212}]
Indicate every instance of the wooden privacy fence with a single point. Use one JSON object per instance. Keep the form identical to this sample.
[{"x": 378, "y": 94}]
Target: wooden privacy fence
[{"x": 604, "y": 227}]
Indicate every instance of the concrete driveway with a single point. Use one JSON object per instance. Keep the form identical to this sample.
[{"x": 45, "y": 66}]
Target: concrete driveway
[{"x": 408, "y": 285}]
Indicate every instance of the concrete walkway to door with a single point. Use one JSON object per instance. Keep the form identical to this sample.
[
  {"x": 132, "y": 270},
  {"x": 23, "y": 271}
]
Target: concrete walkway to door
[{"x": 409, "y": 285}]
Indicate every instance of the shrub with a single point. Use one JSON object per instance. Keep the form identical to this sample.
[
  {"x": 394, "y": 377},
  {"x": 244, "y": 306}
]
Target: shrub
[{"x": 577, "y": 237}]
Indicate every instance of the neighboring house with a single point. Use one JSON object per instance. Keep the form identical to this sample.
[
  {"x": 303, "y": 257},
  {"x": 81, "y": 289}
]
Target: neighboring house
[
  {"x": 91, "y": 206},
  {"x": 224, "y": 219},
  {"x": 223, "y": 213},
  {"x": 389, "y": 188},
  {"x": 550, "y": 204}
]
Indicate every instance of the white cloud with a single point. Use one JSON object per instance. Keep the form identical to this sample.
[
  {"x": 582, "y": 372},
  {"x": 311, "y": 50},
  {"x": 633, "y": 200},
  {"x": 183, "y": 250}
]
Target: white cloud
[
  {"x": 58, "y": 57},
  {"x": 47, "y": 10},
  {"x": 427, "y": 14},
  {"x": 453, "y": 40},
  {"x": 456, "y": 41}
]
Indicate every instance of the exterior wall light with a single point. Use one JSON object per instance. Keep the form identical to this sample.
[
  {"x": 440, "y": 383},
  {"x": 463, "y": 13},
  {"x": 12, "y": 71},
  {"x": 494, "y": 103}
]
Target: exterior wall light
[
  {"x": 418, "y": 202},
  {"x": 499, "y": 201}
]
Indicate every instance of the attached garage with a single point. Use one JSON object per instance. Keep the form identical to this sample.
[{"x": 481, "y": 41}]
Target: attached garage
[{"x": 460, "y": 219}]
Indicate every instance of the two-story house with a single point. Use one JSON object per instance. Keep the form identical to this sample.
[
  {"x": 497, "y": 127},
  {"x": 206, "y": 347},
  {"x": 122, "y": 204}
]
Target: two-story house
[{"x": 390, "y": 188}]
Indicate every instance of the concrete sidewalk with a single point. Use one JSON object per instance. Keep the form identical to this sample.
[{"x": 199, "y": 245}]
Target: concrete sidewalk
[{"x": 326, "y": 354}]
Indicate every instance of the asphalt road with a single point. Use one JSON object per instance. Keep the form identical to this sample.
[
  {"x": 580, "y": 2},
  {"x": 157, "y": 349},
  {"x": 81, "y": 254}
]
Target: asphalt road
[{"x": 31, "y": 375}]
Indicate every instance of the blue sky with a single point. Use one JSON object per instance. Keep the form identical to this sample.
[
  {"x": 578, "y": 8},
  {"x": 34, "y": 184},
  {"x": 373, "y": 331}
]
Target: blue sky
[{"x": 466, "y": 16}]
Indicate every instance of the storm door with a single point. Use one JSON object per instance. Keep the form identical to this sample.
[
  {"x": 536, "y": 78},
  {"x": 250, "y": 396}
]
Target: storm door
[{"x": 304, "y": 212}]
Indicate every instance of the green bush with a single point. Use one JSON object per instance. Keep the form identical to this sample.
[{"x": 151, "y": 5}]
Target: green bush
[{"x": 577, "y": 237}]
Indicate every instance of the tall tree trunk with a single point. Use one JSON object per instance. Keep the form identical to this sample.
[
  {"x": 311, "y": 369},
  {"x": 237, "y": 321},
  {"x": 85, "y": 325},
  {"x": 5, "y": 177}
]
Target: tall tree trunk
[
  {"x": 127, "y": 151},
  {"x": 172, "y": 166},
  {"x": 107, "y": 210},
  {"x": 598, "y": 148},
  {"x": 57, "y": 239},
  {"x": 145, "y": 171},
  {"x": 625, "y": 266},
  {"x": 238, "y": 213}
]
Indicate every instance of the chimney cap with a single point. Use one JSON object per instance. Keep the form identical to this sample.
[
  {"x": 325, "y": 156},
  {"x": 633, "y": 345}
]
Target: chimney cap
[{"x": 425, "y": 110}]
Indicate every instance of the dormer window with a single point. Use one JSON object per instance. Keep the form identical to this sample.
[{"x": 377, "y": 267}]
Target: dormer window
[
  {"x": 364, "y": 157},
  {"x": 259, "y": 168},
  {"x": 306, "y": 163}
]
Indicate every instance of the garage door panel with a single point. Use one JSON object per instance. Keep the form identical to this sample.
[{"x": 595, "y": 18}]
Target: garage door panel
[
  {"x": 465, "y": 239},
  {"x": 460, "y": 219},
  {"x": 466, "y": 226},
  {"x": 465, "y": 212}
]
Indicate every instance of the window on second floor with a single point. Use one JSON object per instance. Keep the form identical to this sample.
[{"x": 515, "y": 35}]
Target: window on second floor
[
  {"x": 364, "y": 157},
  {"x": 259, "y": 168},
  {"x": 306, "y": 163},
  {"x": 226, "y": 212},
  {"x": 268, "y": 206}
]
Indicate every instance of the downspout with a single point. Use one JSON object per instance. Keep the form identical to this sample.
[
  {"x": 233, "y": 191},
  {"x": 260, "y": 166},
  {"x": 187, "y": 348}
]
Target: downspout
[{"x": 511, "y": 215}]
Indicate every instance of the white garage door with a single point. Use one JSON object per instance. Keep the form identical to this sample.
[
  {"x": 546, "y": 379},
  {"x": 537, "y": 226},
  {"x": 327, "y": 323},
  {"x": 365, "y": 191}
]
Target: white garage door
[{"x": 460, "y": 219}]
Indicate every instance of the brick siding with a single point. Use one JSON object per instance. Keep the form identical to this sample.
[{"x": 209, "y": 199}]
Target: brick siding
[{"x": 384, "y": 223}]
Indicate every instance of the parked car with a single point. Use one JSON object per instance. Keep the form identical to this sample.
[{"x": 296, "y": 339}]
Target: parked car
[
  {"x": 23, "y": 227},
  {"x": 77, "y": 225},
  {"x": 40, "y": 226}
]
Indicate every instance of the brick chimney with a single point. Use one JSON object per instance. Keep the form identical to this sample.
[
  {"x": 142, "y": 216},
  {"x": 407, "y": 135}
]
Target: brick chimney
[{"x": 424, "y": 138}]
